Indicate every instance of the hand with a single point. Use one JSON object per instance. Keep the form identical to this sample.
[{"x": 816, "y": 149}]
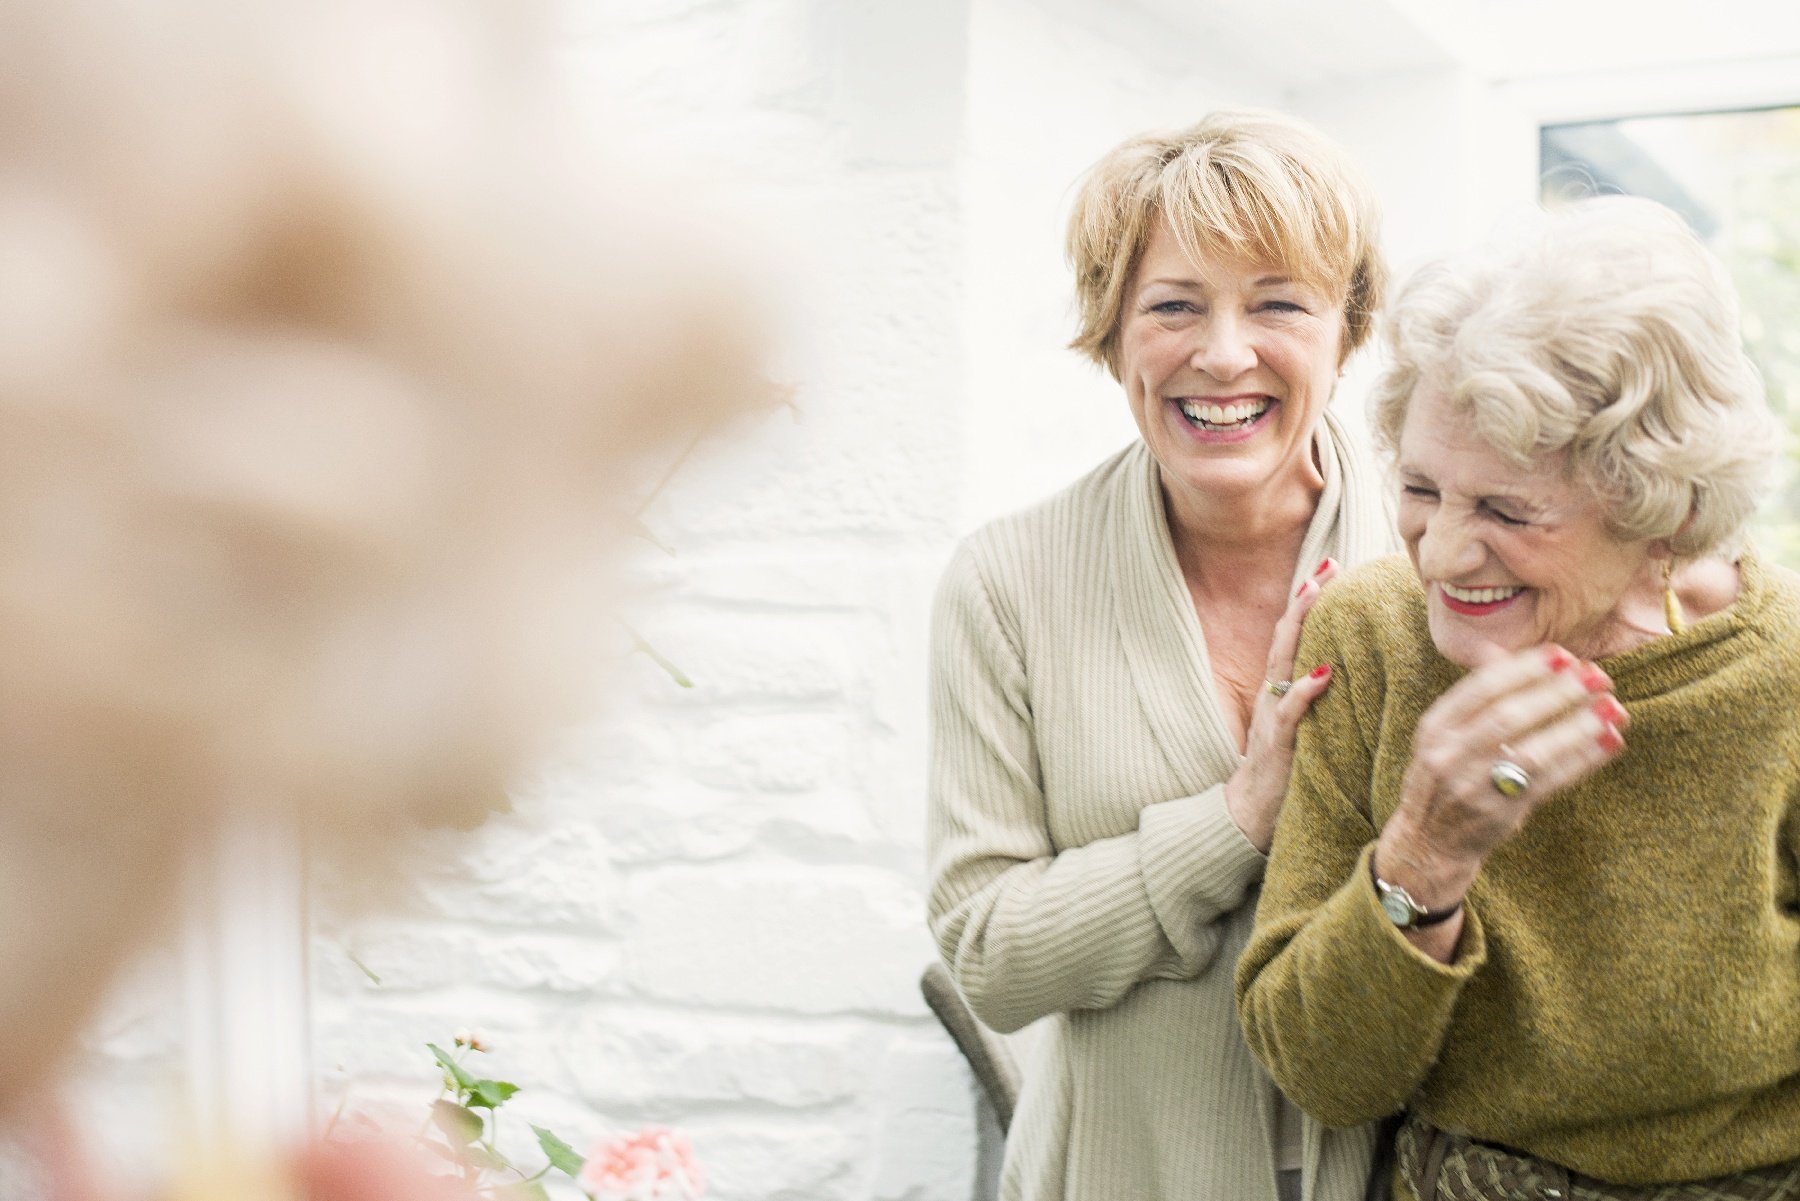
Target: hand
[
  {"x": 1541, "y": 709},
  {"x": 1256, "y": 789}
]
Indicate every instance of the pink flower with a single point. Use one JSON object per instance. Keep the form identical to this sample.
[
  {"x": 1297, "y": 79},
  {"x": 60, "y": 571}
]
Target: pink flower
[{"x": 652, "y": 1165}]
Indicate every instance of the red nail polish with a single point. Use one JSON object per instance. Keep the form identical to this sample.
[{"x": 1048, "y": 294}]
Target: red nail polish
[
  {"x": 1320, "y": 672},
  {"x": 1593, "y": 679},
  {"x": 1610, "y": 739},
  {"x": 1558, "y": 658},
  {"x": 1302, "y": 587},
  {"x": 1320, "y": 569},
  {"x": 1609, "y": 710}
]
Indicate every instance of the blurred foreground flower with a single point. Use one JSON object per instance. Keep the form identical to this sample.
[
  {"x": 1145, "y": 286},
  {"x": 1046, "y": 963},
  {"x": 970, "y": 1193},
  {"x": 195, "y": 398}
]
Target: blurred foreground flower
[
  {"x": 332, "y": 348},
  {"x": 652, "y": 1165},
  {"x": 371, "y": 1168}
]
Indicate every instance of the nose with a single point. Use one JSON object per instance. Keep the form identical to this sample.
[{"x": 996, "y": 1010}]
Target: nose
[
  {"x": 1223, "y": 350},
  {"x": 1448, "y": 547}
]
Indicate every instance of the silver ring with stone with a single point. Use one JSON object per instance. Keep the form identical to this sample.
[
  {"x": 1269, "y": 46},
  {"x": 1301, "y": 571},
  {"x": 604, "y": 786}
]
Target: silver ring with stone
[
  {"x": 1278, "y": 687},
  {"x": 1508, "y": 777}
]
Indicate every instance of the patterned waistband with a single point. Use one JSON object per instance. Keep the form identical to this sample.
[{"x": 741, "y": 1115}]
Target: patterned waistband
[{"x": 1440, "y": 1166}]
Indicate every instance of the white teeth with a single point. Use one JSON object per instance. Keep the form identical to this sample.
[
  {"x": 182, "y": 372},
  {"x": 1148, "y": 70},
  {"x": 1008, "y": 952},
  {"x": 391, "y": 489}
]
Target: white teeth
[
  {"x": 1478, "y": 596},
  {"x": 1223, "y": 415}
]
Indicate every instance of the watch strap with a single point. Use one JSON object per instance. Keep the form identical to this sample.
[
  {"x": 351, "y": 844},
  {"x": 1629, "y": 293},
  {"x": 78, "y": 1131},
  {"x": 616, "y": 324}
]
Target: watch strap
[{"x": 1419, "y": 916}]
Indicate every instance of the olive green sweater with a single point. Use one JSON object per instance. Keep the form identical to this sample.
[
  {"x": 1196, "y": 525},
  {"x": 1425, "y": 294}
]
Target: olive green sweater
[{"x": 1625, "y": 1000}]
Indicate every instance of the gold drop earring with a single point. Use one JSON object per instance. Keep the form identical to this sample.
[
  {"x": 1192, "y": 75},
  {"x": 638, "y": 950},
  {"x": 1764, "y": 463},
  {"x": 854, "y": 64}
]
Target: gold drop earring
[{"x": 1671, "y": 602}]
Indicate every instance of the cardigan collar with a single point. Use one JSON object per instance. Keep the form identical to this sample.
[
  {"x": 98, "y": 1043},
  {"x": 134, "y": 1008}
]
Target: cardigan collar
[{"x": 1157, "y": 624}]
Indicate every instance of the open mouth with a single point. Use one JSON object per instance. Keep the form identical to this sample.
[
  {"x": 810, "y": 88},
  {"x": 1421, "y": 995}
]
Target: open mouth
[
  {"x": 1476, "y": 602},
  {"x": 1224, "y": 418}
]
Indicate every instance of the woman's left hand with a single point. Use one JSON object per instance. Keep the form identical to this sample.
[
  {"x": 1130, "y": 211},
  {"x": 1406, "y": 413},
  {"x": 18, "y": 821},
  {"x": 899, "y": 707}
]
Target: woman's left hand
[{"x": 1254, "y": 793}]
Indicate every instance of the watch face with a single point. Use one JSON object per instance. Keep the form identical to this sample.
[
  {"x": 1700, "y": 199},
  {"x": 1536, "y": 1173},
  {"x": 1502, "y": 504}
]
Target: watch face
[{"x": 1393, "y": 903}]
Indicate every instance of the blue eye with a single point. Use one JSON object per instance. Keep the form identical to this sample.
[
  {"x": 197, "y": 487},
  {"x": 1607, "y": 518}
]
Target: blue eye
[
  {"x": 1284, "y": 306},
  {"x": 1172, "y": 306}
]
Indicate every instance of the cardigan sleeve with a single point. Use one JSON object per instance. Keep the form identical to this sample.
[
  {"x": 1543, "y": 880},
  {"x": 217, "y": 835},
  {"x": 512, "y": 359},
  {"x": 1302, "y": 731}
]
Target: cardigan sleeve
[
  {"x": 1347, "y": 1016},
  {"x": 1027, "y": 929}
]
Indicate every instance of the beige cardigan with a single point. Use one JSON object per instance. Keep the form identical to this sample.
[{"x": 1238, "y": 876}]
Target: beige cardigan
[{"x": 1083, "y": 866}]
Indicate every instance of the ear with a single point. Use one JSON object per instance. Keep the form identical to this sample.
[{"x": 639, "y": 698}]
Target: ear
[{"x": 1663, "y": 548}]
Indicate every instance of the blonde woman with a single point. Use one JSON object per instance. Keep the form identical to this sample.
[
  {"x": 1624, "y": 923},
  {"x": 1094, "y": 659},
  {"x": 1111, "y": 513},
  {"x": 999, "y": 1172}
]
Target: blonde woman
[{"x": 1114, "y": 686}]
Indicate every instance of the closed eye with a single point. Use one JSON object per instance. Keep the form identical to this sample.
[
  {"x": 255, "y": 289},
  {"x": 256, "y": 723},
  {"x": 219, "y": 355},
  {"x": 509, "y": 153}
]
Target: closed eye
[
  {"x": 1420, "y": 491},
  {"x": 1505, "y": 518}
]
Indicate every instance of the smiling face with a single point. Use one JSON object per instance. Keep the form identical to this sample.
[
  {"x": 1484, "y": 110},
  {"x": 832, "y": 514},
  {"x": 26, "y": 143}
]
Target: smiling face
[
  {"x": 1227, "y": 366},
  {"x": 1512, "y": 558}
]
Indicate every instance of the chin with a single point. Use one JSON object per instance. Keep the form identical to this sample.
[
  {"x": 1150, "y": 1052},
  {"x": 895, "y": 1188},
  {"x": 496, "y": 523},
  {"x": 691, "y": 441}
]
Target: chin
[{"x": 1464, "y": 647}]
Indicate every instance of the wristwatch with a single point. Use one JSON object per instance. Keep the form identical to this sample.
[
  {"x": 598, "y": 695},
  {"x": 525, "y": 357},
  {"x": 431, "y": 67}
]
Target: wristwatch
[{"x": 1402, "y": 910}]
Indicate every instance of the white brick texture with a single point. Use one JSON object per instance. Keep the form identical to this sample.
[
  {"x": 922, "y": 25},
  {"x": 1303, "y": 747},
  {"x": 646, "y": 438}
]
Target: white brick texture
[{"x": 707, "y": 907}]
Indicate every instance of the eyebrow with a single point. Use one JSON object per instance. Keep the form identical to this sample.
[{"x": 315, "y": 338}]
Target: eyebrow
[{"x": 1265, "y": 281}]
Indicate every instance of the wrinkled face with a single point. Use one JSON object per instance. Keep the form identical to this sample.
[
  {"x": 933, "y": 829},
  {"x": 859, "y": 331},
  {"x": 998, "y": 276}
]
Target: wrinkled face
[
  {"x": 1227, "y": 366},
  {"x": 1509, "y": 558}
]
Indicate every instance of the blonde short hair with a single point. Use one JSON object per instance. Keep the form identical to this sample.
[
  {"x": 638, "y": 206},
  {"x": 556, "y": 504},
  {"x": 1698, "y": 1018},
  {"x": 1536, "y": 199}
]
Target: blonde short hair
[
  {"x": 1607, "y": 331},
  {"x": 1241, "y": 184}
]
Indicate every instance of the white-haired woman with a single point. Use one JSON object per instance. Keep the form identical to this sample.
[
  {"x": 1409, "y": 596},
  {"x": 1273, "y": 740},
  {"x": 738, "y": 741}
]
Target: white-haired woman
[
  {"x": 1572, "y": 958},
  {"x": 1111, "y": 702}
]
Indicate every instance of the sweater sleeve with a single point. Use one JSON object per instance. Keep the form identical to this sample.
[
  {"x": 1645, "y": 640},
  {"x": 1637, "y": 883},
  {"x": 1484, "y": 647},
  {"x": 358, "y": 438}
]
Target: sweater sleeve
[
  {"x": 1028, "y": 929},
  {"x": 1345, "y": 1013}
]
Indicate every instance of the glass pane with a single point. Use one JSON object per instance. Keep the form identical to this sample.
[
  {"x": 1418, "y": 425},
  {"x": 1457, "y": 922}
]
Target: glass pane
[{"x": 1736, "y": 177}]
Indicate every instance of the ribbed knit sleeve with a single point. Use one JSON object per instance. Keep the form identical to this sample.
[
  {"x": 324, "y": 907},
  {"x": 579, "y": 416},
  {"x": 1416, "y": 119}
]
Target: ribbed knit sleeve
[
  {"x": 1029, "y": 929},
  {"x": 1345, "y": 1013}
]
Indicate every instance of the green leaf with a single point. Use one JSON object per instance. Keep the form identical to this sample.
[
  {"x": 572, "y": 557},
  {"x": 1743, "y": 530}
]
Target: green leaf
[
  {"x": 460, "y": 1125},
  {"x": 562, "y": 1156},
  {"x": 675, "y": 673},
  {"x": 481, "y": 1157},
  {"x": 491, "y": 1094},
  {"x": 438, "y": 1149},
  {"x": 363, "y": 968},
  {"x": 464, "y": 1081}
]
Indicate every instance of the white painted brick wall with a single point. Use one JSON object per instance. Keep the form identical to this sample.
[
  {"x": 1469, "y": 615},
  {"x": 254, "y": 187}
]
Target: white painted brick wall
[{"x": 707, "y": 909}]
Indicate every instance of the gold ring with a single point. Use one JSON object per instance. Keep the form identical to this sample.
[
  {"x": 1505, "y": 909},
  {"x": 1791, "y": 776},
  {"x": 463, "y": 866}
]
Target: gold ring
[{"x": 1278, "y": 687}]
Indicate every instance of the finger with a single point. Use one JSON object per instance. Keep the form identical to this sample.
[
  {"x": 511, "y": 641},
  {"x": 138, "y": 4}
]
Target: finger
[
  {"x": 1307, "y": 689},
  {"x": 1548, "y": 668},
  {"x": 1536, "y": 705},
  {"x": 1280, "y": 665},
  {"x": 1566, "y": 752},
  {"x": 1280, "y": 720}
]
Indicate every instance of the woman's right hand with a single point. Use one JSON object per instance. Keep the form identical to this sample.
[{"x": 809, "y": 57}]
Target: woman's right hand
[{"x": 1543, "y": 710}]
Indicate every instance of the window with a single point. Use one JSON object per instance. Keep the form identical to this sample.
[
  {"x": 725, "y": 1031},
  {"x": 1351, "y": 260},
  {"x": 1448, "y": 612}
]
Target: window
[{"x": 1735, "y": 176}]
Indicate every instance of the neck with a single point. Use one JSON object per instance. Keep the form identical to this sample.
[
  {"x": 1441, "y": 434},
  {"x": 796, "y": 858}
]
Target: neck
[
  {"x": 1638, "y": 618},
  {"x": 1230, "y": 538}
]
